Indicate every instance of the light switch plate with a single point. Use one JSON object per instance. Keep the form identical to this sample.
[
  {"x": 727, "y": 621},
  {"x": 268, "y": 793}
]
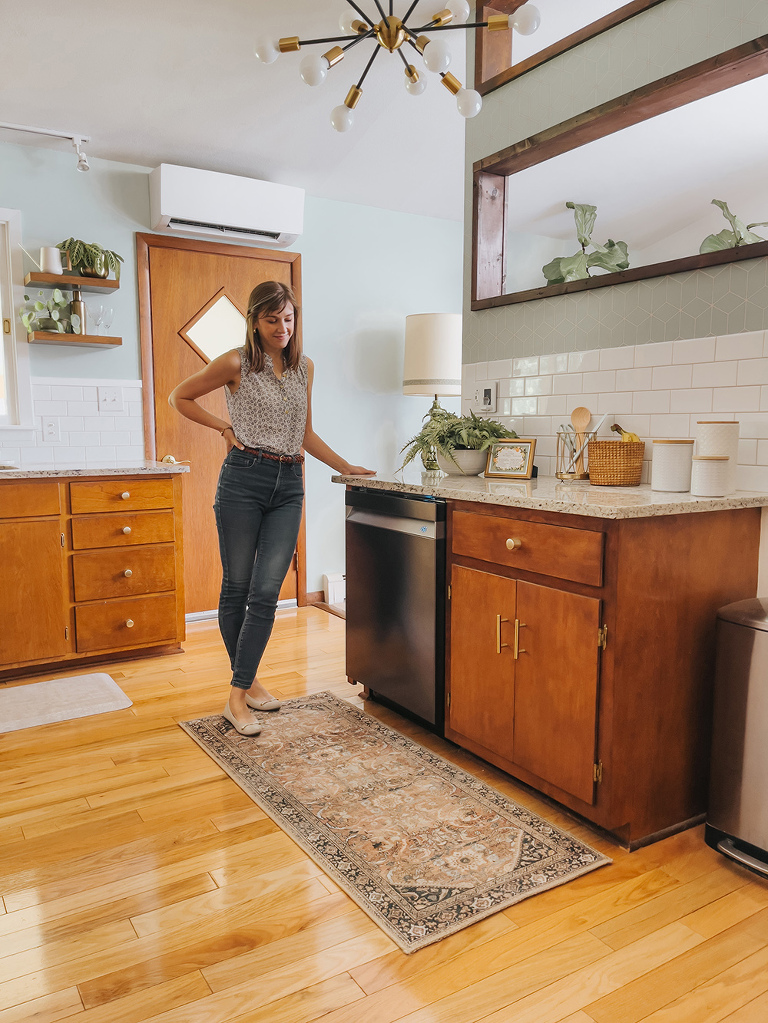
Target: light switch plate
[
  {"x": 485, "y": 396},
  {"x": 111, "y": 399},
  {"x": 51, "y": 429}
]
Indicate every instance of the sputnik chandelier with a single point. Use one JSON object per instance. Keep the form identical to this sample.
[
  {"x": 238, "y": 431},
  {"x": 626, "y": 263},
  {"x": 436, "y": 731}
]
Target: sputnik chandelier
[{"x": 393, "y": 34}]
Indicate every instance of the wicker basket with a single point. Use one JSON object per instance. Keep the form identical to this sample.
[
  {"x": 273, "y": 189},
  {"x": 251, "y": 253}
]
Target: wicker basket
[{"x": 615, "y": 463}]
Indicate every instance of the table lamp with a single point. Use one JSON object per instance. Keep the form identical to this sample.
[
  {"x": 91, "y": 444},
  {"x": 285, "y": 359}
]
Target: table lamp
[{"x": 432, "y": 362}]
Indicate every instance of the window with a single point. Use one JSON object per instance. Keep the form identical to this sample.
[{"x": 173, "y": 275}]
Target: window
[{"x": 14, "y": 376}]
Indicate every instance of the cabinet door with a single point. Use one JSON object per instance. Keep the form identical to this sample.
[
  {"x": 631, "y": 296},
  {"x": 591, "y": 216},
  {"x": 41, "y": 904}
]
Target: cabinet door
[
  {"x": 32, "y": 607},
  {"x": 482, "y": 666},
  {"x": 556, "y": 679}
]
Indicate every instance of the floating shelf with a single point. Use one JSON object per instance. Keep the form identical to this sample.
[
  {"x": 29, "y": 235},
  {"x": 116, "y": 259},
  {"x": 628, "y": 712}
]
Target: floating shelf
[
  {"x": 52, "y": 337},
  {"x": 72, "y": 281}
]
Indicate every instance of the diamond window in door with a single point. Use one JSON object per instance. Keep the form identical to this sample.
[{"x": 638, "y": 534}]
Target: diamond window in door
[{"x": 217, "y": 328}]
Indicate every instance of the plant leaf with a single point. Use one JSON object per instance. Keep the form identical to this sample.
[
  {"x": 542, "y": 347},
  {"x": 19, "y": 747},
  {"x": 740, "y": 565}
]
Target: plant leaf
[
  {"x": 612, "y": 256},
  {"x": 39, "y": 306},
  {"x": 585, "y": 216},
  {"x": 738, "y": 227},
  {"x": 566, "y": 268},
  {"x": 725, "y": 239}
]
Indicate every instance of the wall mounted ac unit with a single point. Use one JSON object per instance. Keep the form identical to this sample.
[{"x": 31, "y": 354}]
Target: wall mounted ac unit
[{"x": 224, "y": 205}]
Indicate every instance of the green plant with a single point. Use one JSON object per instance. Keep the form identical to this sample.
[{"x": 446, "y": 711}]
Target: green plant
[
  {"x": 740, "y": 233},
  {"x": 91, "y": 256},
  {"x": 612, "y": 256},
  {"x": 49, "y": 314},
  {"x": 445, "y": 432}
]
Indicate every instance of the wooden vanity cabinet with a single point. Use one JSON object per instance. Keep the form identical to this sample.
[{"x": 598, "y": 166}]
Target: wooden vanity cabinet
[
  {"x": 90, "y": 569},
  {"x": 581, "y": 653}
]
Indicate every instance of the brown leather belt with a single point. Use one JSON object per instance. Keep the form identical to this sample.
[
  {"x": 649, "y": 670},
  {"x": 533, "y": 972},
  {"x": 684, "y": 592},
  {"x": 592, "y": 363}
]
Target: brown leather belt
[{"x": 291, "y": 459}]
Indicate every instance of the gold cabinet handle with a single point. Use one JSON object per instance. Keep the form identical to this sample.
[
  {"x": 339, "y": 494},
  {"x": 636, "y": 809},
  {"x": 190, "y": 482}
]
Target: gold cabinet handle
[
  {"x": 129, "y": 623},
  {"x": 128, "y": 573},
  {"x": 517, "y": 648},
  {"x": 514, "y": 543},
  {"x": 126, "y": 530},
  {"x": 499, "y": 644},
  {"x": 125, "y": 495}
]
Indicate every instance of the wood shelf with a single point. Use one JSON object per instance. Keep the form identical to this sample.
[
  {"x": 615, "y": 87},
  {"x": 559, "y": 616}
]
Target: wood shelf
[
  {"x": 52, "y": 337},
  {"x": 72, "y": 281}
]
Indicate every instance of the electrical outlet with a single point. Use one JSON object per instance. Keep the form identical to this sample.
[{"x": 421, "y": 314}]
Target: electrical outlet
[
  {"x": 51, "y": 429},
  {"x": 484, "y": 399},
  {"x": 110, "y": 399}
]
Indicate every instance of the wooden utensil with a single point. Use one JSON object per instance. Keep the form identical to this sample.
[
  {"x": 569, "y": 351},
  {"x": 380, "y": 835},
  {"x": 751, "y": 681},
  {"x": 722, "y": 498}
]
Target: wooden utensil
[{"x": 581, "y": 417}]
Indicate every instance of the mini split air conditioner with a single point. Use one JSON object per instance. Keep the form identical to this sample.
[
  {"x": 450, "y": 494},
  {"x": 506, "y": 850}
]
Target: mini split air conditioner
[{"x": 225, "y": 205}]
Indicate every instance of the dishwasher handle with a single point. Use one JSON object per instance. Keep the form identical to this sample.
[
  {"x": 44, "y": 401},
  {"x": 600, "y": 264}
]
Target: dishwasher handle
[{"x": 396, "y": 524}]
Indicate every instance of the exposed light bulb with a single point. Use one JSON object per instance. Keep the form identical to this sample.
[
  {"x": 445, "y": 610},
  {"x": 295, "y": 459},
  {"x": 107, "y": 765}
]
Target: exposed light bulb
[
  {"x": 416, "y": 88},
  {"x": 342, "y": 118},
  {"x": 460, "y": 10},
  {"x": 345, "y": 22},
  {"x": 437, "y": 56},
  {"x": 469, "y": 102},
  {"x": 266, "y": 50},
  {"x": 314, "y": 69},
  {"x": 526, "y": 19}
]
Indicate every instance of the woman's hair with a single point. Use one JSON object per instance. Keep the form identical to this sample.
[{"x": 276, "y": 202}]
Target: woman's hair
[{"x": 266, "y": 298}]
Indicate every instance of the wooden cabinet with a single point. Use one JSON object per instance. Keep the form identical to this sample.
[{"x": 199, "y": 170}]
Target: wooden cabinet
[
  {"x": 90, "y": 569},
  {"x": 581, "y": 653}
]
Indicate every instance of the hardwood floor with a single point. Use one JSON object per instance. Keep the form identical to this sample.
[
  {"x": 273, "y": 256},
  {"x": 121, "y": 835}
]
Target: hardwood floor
[{"x": 140, "y": 884}]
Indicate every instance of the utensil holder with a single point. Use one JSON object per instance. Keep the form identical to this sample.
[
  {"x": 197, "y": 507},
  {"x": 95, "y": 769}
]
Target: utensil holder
[
  {"x": 565, "y": 461},
  {"x": 616, "y": 463}
]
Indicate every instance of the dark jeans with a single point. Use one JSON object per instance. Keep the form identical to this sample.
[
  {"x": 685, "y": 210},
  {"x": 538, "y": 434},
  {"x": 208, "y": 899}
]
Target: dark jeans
[{"x": 258, "y": 512}]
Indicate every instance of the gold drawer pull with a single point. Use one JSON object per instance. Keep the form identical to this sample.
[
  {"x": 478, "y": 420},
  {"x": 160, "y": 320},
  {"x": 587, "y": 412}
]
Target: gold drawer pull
[
  {"x": 127, "y": 573},
  {"x": 129, "y": 623},
  {"x": 127, "y": 530},
  {"x": 514, "y": 543},
  {"x": 125, "y": 495},
  {"x": 518, "y": 649},
  {"x": 499, "y": 644}
]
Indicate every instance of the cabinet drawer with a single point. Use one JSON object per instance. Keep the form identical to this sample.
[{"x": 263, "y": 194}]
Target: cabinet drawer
[
  {"x": 113, "y": 495},
  {"x": 29, "y": 499},
  {"x": 106, "y": 626},
  {"x": 560, "y": 551},
  {"x": 124, "y": 573},
  {"x": 122, "y": 530}
]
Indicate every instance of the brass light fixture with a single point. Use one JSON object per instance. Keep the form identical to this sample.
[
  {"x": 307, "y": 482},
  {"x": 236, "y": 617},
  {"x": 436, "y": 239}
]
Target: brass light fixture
[{"x": 391, "y": 33}]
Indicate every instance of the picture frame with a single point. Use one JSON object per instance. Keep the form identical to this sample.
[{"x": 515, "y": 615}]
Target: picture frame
[{"x": 511, "y": 459}]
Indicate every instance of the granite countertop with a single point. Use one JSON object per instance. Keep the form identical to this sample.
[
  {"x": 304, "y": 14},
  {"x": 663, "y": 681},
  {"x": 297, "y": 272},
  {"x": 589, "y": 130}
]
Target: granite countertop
[
  {"x": 549, "y": 494},
  {"x": 145, "y": 468}
]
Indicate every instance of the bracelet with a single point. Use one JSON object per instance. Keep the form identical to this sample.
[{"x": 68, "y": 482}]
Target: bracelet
[{"x": 222, "y": 432}]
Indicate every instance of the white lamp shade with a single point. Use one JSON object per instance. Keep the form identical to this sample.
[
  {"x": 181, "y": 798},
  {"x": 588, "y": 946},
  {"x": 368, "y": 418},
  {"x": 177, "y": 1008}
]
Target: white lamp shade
[{"x": 432, "y": 363}]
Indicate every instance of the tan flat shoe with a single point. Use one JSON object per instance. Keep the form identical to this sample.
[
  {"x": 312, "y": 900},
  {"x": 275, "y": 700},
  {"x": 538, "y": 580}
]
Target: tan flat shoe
[
  {"x": 269, "y": 703},
  {"x": 243, "y": 727}
]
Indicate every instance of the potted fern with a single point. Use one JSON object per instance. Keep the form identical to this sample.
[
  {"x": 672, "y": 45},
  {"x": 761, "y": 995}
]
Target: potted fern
[
  {"x": 460, "y": 443},
  {"x": 90, "y": 259}
]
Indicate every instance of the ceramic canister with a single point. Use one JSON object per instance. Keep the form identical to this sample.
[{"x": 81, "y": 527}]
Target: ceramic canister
[
  {"x": 709, "y": 475},
  {"x": 671, "y": 465},
  {"x": 717, "y": 437},
  {"x": 50, "y": 260}
]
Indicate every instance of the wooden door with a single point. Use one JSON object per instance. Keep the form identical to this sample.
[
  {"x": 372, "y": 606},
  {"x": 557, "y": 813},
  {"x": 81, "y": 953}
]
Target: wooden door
[
  {"x": 32, "y": 598},
  {"x": 556, "y": 677},
  {"x": 181, "y": 281},
  {"x": 482, "y": 704}
]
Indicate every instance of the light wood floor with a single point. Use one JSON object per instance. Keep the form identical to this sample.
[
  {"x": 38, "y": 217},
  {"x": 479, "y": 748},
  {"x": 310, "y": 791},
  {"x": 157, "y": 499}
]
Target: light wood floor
[{"x": 139, "y": 883}]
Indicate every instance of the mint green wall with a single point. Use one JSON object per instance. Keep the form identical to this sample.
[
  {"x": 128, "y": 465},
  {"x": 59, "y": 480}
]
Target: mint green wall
[
  {"x": 722, "y": 300},
  {"x": 364, "y": 270}
]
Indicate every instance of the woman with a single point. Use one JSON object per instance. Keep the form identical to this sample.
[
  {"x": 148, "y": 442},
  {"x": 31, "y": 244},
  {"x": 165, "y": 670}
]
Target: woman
[{"x": 268, "y": 387}]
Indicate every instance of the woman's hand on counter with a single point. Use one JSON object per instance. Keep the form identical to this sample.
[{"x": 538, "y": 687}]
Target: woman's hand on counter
[{"x": 356, "y": 470}]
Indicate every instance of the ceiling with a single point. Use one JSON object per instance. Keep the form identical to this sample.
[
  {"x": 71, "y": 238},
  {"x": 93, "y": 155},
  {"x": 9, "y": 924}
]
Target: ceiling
[{"x": 176, "y": 81}]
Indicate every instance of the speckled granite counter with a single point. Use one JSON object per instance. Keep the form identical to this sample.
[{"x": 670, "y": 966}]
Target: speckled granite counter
[
  {"x": 548, "y": 494},
  {"x": 139, "y": 469}
]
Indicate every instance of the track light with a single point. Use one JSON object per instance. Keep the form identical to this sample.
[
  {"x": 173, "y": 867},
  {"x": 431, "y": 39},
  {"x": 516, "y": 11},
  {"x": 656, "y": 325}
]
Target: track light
[
  {"x": 77, "y": 140},
  {"x": 82, "y": 159}
]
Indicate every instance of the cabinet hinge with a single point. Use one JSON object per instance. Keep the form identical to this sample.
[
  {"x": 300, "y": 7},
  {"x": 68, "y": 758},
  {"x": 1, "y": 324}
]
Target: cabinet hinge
[
  {"x": 66, "y": 632},
  {"x": 602, "y": 637},
  {"x": 62, "y": 539},
  {"x": 597, "y": 772}
]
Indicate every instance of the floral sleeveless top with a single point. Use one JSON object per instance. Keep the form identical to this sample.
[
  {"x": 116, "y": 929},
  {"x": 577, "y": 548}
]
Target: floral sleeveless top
[{"x": 268, "y": 412}]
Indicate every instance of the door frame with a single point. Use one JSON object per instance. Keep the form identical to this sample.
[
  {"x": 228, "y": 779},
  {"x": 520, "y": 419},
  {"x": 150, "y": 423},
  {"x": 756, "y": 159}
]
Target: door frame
[{"x": 146, "y": 241}]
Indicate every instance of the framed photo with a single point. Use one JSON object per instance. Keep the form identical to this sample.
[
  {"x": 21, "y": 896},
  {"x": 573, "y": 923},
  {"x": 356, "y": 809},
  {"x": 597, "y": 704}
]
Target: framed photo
[{"x": 511, "y": 459}]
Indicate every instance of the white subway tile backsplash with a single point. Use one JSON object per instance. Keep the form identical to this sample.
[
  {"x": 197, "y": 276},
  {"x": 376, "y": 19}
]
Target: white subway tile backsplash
[
  {"x": 62, "y": 392},
  {"x": 651, "y": 402},
  {"x": 617, "y": 402},
  {"x": 83, "y": 408},
  {"x": 553, "y": 405},
  {"x": 634, "y": 379},
  {"x": 752, "y": 477},
  {"x": 602, "y": 380},
  {"x": 698, "y": 399},
  {"x": 670, "y": 426},
  {"x": 740, "y": 346},
  {"x": 659, "y": 354},
  {"x": 584, "y": 362},
  {"x": 736, "y": 399},
  {"x": 567, "y": 383},
  {"x": 671, "y": 376},
  {"x": 553, "y": 363},
  {"x": 524, "y": 406},
  {"x": 51, "y": 408},
  {"x": 748, "y": 452},
  {"x": 500, "y": 368},
  {"x": 715, "y": 374},
  {"x": 761, "y": 454},
  {"x": 512, "y": 387},
  {"x": 752, "y": 371},
  {"x": 538, "y": 385},
  {"x": 528, "y": 367},
  {"x": 700, "y": 349},
  {"x": 617, "y": 358}
]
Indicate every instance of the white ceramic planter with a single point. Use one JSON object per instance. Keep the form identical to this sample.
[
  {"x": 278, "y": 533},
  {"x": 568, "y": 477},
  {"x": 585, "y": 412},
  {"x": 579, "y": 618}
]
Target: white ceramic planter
[{"x": 467, "y": 462}]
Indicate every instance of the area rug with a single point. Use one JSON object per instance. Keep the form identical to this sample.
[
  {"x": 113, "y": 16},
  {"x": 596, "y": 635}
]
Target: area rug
[
  {"x": 423, "y": 847},
  {"x": 41, "y": 703}
]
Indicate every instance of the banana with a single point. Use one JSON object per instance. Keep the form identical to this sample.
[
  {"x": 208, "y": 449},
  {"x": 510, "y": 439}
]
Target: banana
[{"x": 626, "y": 435}]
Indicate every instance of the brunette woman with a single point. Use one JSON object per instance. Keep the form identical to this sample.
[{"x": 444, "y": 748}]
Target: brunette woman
[{"x": 268, "y": 387}]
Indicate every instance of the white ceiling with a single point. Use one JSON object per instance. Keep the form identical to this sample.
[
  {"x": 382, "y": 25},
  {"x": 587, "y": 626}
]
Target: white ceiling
[{"x": 176, "y": 81}]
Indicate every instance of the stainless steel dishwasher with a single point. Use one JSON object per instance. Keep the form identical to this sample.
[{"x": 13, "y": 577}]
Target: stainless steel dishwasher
[{"x": 396, "y": 601}]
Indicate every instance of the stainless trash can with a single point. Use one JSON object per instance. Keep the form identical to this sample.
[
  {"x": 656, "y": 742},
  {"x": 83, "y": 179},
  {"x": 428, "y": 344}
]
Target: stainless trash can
[{"x": 737, "y": 817}]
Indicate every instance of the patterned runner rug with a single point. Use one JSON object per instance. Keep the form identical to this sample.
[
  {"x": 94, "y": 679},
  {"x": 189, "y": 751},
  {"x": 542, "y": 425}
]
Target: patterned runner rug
[{"x": 423, "y": 847}]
